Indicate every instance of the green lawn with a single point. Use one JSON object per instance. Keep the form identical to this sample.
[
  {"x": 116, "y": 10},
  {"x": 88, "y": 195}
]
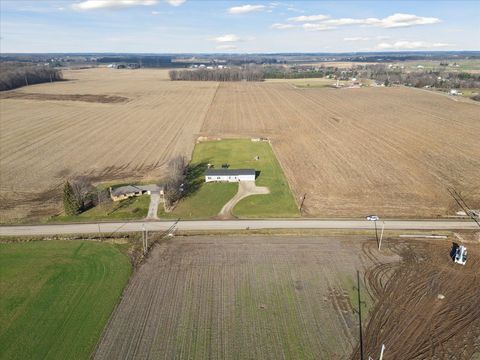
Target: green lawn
[
  {"x": 208, "y": 200},
  {"x": 128, "y": 209},
  {"x": 56, "y": 297}
]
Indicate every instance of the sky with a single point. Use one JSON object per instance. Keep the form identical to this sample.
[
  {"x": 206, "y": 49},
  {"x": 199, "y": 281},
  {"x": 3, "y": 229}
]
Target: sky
[{"x": 196, "y": 26}]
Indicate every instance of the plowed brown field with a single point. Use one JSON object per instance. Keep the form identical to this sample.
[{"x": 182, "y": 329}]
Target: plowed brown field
[
  {"x": 391, "y": 151},
  {"x": 351, "y": 152},
  {"x": 241, "y": 298},
  {"x": 44, "y": 140},
  {"x": 410, "y": 318}
]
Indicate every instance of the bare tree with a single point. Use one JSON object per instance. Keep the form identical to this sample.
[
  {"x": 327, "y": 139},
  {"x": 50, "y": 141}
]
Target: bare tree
[
  {"x": 251, "y": 73},
  {"x": 175, "y": 185},
  {"x": 15, "y": 75},
  {"x": 84, "y": 192}
]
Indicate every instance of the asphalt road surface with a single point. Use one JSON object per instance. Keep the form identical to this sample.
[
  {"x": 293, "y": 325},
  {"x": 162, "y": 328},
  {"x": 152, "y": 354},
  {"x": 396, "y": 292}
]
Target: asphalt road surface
[{"x": 118, "y": 227}]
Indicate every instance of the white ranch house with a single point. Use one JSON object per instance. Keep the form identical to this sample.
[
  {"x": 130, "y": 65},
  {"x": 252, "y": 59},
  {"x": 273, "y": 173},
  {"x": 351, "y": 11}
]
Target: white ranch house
[{"x": 229, "y": 175}]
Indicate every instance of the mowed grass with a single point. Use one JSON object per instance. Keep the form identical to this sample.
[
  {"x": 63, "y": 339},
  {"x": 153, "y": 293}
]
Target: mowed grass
[
  {"x": 128, "y": 209},
  {"x": 56, "y": 297},
  {"x": 209, "y": 199}
]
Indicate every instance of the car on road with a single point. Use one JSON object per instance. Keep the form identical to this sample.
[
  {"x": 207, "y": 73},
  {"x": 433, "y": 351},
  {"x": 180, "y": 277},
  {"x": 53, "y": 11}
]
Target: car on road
[
  {"x": 373, "y": 218},
  {"x": 460, "y": 256}
]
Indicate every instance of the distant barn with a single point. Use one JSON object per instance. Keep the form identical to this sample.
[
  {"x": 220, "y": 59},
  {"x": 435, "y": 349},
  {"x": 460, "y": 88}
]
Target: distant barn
[{"x": 229, "y": 175}]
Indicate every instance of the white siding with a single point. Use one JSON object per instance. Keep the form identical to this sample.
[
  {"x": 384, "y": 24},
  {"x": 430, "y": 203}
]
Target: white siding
[{"x": 230, "y": 178}]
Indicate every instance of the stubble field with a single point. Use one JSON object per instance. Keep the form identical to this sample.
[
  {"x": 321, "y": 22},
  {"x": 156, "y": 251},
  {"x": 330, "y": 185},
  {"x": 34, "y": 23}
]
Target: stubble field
[
  {"x": 241, "y": 298},
  {"x": 103, "y": 123},
  {"x": 351, "y": 152},
  {"x": 294, "y": 297}
]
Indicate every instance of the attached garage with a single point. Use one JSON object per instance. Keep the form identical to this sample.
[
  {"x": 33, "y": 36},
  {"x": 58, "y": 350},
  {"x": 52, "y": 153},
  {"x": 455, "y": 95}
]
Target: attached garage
[{"x": 229, "y": 175}]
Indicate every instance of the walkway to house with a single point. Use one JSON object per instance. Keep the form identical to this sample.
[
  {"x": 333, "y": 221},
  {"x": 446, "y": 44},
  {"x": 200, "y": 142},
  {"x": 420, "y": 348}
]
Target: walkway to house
[
  {"x": 245, "y": 188},
  {"x": 153, "y": 207}
]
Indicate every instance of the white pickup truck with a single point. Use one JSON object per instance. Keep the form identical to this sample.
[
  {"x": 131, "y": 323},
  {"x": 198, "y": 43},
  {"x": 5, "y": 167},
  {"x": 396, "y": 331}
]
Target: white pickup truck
[{"x": 460, "y": 256}]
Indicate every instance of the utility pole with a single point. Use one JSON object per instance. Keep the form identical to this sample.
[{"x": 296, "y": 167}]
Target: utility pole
[
  {"x": 381, "y": 352},
  {"x": 301, "y": 203},
  {"x": 360, "y": 302},
  {"x": 144, "y": 240},
  {"x": 381, "y": 236}
]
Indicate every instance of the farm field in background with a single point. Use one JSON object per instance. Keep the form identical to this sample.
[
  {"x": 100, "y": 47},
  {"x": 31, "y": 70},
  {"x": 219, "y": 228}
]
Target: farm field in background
[
  {"x": 57, "y": 296},
  {"x": 351, "y": 152},
  {"x": 45, "y": 141}
]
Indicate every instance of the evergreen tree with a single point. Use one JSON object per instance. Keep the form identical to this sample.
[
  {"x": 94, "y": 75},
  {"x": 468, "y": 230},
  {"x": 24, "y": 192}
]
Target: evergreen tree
[{"x": 70, "y": 202}]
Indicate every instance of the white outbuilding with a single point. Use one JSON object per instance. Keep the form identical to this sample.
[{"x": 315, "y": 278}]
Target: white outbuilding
[{"x": 229, "y": 175}]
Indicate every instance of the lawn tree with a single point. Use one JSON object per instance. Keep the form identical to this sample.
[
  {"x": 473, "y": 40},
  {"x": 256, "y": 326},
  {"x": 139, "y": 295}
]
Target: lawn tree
[
  {"x": 70, "y": 203},
  {"x": 84, "y": 192},
  {"x": 174, "y": 186}
]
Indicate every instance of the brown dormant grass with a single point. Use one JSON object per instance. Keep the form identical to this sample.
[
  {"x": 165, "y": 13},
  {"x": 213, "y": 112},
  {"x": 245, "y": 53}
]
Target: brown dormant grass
[
  {"x": 43, "y": 141},
  {"x": 391, "y": 151}
]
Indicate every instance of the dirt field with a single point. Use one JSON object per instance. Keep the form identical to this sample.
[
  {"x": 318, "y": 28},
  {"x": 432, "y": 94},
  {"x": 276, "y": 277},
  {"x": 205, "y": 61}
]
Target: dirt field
[
  {"x": 410, "y": 318},
  {"x": 284, "y": 298},
  {"x": 45, "y": 138},
  {"x": 241, "y": 298},
  {"x": 352, "y": 152}
]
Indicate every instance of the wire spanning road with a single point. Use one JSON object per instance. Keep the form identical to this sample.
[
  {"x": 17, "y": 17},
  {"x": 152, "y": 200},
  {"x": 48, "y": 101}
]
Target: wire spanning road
[{"x": 118, "y": 227}]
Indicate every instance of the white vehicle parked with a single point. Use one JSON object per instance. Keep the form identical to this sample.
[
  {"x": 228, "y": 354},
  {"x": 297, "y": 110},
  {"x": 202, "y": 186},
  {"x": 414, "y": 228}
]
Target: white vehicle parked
[
  {"x": 460, "y": 256},
  {"x": 373, "y": 218}
]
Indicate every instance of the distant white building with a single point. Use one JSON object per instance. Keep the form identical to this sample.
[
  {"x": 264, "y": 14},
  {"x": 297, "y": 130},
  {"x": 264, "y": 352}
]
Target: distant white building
[{"x": 229, "y": 175}]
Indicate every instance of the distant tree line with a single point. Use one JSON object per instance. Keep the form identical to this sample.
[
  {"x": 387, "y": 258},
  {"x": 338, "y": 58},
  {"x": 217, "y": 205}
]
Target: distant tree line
[
  {"x": 14, "y": 76},
  {"x": 309, "y": 71},
  {"x": 230, "y": 74},
  {"x": 429, "y": 78}
]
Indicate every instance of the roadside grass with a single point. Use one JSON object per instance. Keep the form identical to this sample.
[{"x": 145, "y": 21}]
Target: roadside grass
[
  {"x": 57, "y": 297},
  {"x": 128, "y": 209},
  {"x": 208, "y": 199}
]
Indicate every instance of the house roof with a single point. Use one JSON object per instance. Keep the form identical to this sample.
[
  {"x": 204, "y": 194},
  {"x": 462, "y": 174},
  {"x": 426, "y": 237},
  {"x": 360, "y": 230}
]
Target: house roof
[
  {"x": 229, "y": 172},
  {"x": 123, "y": 190},
  {"x": 128, "y": 189}
]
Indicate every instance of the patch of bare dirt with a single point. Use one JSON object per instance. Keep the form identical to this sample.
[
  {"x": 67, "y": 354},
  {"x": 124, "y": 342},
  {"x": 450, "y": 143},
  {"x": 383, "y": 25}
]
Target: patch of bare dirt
[
  {"x": 64, "y": 97},
  {"x": 428, "y": 308}
]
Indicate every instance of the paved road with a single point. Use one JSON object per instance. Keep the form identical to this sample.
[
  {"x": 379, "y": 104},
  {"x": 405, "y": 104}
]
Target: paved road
[{"x": 108, "y": 228}]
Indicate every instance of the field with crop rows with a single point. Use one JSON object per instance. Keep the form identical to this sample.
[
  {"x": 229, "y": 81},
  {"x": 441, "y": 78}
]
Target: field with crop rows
[
  {"x": 351, "y": 152},
  {"x": 242, "y": 298},
  {"x": 345, "y": 152},
  {"x": 129, "y": 126}
]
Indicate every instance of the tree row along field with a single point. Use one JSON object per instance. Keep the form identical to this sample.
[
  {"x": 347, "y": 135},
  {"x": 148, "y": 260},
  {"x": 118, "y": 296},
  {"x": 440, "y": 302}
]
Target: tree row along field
[
  {"x": 44, "y": 142},
  {"x": 392, "y": 151},
  {"x": 241, "y": 298}
]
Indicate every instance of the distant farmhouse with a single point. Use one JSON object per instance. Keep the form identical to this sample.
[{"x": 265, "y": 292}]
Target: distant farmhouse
[
  {"x": 229, "y": 175},
  {"x": 128, "y": 191}
]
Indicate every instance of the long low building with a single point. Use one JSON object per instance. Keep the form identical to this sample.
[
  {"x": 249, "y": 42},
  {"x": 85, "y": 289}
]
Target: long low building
[
  {"x": 229, "y": 175},
  {"x": 128, "y": 191}
]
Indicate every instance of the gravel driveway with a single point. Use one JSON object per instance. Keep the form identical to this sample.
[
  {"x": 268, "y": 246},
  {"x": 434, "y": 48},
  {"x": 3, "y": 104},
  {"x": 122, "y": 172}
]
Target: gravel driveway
[{"x": 245, "y": 188}]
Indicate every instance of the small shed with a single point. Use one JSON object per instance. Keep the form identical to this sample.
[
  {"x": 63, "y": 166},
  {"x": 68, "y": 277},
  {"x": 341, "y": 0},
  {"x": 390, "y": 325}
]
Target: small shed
[{"x": 229, "y": 175}]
